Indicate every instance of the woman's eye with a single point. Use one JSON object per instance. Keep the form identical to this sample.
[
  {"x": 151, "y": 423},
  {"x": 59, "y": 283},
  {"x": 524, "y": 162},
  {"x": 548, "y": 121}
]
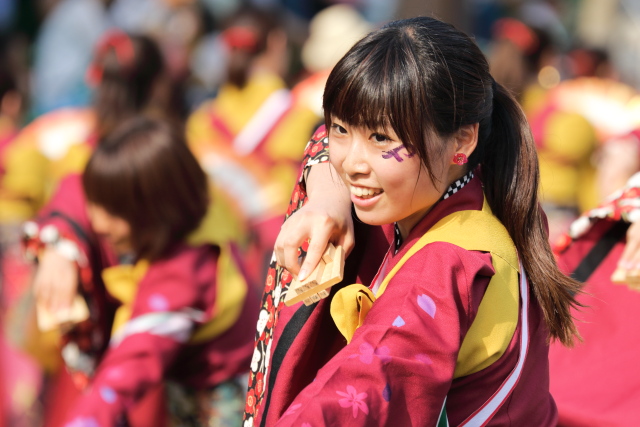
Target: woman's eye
[
  {"x": 339, "y": 129},
  {"x": 380, "y": 138}
]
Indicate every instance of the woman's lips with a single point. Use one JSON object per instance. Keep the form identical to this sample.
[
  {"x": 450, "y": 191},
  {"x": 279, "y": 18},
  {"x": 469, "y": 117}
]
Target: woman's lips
[{"x": 364, "y": 192}]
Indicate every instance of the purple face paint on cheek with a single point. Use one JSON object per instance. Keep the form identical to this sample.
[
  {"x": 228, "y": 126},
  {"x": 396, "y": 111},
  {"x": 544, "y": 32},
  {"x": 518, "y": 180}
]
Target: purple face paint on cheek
[
  {"x": 393, "y": 153},
  {"x": 410, "y": 153}
]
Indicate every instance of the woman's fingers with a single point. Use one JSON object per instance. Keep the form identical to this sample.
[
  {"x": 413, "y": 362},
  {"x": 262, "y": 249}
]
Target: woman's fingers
[
  {"x": 293, "y": 234},
  {"x": 315, "y": 227},
  {"x": 325, "y": 217},
  {"x": 41, "y": 289},
  {"x": 317, "y": 245},
  {"x": 56, "y": 281},
  {"x": 66, "y": 289},
  {"x": 291, "y": 254}
]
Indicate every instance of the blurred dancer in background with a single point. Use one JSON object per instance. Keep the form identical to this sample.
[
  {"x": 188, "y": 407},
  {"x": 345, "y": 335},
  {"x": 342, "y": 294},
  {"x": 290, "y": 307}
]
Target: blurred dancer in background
[
  {"x": 332, "y": 32},
  {"x": 594, "y": 383},
  {"x": 130, "y": 78},
  {"x": 186, "y": 312},
  {"x": 526, "y": 60},
  {"x": 250, "y": 137},
  {"x": 579, "y": 123}
]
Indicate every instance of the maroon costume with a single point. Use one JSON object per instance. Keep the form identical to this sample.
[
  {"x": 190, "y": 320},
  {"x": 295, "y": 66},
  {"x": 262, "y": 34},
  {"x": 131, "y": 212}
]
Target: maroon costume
[
  {"x": 175, "y": 295},
  {"x": 399, "y": 367}
]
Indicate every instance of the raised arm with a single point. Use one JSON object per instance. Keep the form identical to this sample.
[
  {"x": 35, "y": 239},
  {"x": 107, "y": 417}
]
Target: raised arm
[
  {"x": 67, "y": 249},
  {"x": 399, "y": 365},
  {"x": 326, "y": 215},
  {"x": 171, "y": 300}
]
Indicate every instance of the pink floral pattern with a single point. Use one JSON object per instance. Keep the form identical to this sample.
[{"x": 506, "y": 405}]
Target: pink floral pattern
[
  {"x": 427, "y": 304},
  {"x": 292, "y": 409},
  {"x": 83, "y": 422},
  {"x": 158, "y": 302},
  {"x": 354, "y": 400},
  {"x": 367, "y": 352},
  {"x": 423, "y": 358}
]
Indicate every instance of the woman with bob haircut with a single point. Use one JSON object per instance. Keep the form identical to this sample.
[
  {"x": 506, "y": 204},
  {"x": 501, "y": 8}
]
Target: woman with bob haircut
[
  {"x": 145, "y": 175},
  {"x": 451, "y": 292},
  {"x": 186, "y": 314}
]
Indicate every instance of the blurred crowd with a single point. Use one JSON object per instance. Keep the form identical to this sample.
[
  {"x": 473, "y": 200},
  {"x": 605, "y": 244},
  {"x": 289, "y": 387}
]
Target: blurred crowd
[{"x": 95, "y": 96}]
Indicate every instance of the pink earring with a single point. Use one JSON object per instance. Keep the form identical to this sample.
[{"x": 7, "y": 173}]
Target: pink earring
[{"x": 460, "y": 159}]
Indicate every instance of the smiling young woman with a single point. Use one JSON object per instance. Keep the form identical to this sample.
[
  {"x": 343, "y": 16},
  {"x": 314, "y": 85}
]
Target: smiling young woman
[
  {"x": 375, "y": 164},
  {"x": 453, "y": 327}
]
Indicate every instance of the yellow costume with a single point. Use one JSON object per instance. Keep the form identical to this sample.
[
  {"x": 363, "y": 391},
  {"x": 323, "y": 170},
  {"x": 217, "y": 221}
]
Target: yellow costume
[
  {"x": 251, "y": 141},
  {"x": 49, "y": 148}
]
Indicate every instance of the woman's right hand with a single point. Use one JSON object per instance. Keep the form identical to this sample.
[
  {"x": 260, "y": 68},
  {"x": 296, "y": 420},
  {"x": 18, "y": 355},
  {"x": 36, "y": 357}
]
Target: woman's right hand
[
  {"x": 326, "y": 217},
  {"x": 56, "y": 281}
]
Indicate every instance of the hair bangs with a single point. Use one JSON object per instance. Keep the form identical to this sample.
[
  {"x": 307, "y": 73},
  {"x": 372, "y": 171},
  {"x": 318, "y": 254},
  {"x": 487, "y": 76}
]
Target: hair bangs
[
  {"x": 363, "y": 102},
  {"x": 108, "y": 182},
  {"x": 376, "y": 87},
  {"x": 144, "y": 173}
]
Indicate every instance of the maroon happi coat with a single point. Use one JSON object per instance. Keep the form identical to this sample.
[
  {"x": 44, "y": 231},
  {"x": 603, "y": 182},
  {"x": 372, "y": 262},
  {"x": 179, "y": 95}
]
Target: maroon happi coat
[
  {"x": 303, "y": 373},
  {"x": 133, "y": 369}
]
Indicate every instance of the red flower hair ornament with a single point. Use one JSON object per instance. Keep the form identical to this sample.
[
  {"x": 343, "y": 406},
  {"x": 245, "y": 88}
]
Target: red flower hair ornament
[{"x": 121, "y": 44}]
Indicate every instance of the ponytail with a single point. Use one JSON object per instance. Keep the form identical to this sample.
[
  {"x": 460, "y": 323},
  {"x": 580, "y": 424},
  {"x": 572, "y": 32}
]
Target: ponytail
[
  {"x": 125, "y": 70},
  {"x": 510, "y": 173}
]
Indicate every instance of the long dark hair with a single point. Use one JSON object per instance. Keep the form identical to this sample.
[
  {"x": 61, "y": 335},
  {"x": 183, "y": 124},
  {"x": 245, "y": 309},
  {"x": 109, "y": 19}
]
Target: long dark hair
[
  {"x": 422, "y": 77},
  {"x": 126, "y": 70},
  {"x": 144, "y": 173}
]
